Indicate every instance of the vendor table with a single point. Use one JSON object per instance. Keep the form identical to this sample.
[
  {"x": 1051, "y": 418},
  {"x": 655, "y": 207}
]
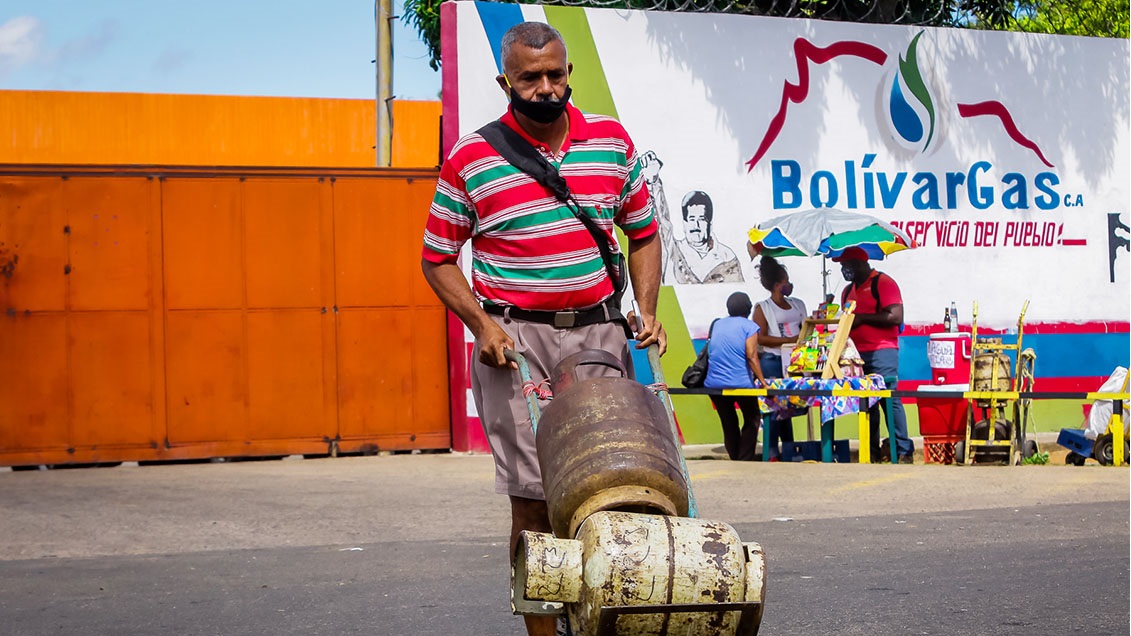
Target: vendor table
[{"x": 844, "y": 400}]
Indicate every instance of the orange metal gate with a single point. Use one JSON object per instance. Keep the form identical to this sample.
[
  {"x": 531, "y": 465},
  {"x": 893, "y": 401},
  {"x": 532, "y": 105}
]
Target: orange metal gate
[{"x": 172, "y": 313}]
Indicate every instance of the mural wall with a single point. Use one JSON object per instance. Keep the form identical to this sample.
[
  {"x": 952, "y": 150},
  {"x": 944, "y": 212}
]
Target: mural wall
[{"x": 1004, "y": 156}]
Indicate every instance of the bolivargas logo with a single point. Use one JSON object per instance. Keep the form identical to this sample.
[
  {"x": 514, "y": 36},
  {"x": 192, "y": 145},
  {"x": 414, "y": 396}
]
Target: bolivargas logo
[
  {"x": 911, "y": 116},
  {"x": 910, "y": 108}
]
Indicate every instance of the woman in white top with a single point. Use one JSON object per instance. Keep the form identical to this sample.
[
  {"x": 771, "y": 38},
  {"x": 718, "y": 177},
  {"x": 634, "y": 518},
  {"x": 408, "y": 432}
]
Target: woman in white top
[{"x": 779, "y": 322}]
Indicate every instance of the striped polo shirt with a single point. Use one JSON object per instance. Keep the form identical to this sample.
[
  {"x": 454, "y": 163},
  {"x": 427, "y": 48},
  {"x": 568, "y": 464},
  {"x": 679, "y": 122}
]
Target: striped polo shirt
[{"x": 527, "y": 249}]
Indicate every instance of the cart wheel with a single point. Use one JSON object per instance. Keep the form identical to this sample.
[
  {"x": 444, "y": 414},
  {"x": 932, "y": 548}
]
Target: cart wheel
[
  {"x": 960, "y": 452},
  {"x": 1029, "y": 449},
  {"x": 1074, "y": 459},
  {"x": 1104, "y": 450}
]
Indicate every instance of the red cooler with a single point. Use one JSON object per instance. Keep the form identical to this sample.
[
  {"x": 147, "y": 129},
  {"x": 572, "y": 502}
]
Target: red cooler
[
  {"x": 942, "y": 416},
  {"x": 942, "y": 422},
  {"x": 949, "y": 357}
]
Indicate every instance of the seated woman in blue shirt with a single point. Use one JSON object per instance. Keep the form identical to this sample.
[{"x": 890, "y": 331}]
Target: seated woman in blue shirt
[{"x": 732, "y": 355}]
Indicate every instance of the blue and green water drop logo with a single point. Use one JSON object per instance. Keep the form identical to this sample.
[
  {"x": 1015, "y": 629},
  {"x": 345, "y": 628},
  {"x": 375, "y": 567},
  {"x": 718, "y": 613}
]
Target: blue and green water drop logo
[{"x": 914, "y": 125}]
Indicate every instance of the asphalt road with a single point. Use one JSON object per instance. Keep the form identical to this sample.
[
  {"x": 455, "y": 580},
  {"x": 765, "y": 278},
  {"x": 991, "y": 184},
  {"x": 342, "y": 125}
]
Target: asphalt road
[{"x": 415, "y": 544}]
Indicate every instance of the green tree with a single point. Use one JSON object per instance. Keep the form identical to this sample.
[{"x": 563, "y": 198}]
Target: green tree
[
  {"x": 1099, "y": 18},
  {"x": 424, "y": 16}
]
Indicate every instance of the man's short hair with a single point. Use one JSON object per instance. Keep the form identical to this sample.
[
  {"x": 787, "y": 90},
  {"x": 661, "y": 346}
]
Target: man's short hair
[
  {"x": 698, "y": 197},
  {"x": 535, "y": 35}
]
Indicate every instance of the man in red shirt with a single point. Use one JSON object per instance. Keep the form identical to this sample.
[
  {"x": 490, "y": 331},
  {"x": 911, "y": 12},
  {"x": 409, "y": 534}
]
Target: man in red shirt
[
  {"x": 875, "y": 331},
  {"x": 539, "y": 282}
]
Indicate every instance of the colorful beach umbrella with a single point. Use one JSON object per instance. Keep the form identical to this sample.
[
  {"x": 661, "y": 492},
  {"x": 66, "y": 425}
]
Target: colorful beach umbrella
[{"x": 828, "y": 232}]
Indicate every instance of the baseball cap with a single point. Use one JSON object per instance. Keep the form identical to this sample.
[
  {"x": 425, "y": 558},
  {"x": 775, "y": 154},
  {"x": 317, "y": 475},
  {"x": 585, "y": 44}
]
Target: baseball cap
[{"x": 851, "y": 254}]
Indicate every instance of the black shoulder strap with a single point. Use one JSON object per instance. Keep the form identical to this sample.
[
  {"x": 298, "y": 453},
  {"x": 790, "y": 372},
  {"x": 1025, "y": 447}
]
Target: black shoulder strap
[
  {"x": 876, "y": 289},
  {"x": 519, "y": 153}
]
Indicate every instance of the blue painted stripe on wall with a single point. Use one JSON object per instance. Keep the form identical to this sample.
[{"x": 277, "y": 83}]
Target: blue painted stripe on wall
[
  {"x": 1058, "y": 355},
  {"x": 497, "y": 17}
]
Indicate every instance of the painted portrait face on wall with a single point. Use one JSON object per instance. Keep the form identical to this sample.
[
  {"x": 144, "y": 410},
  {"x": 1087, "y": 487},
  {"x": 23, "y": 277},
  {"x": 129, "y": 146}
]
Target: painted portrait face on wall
[{"x": 697, "y": 225}]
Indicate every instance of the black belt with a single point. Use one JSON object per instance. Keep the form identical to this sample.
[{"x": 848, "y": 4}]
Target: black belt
[{"x": 605, "y": 312}]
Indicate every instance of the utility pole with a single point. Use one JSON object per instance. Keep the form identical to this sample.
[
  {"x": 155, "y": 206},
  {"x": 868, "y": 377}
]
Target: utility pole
[{"x": 383, "y": 12}]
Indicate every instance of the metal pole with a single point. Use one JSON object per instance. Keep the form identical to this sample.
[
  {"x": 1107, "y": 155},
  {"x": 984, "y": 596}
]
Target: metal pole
[
  {"x": 824, "y": 277},
  {"x": 383, "y": 14}
]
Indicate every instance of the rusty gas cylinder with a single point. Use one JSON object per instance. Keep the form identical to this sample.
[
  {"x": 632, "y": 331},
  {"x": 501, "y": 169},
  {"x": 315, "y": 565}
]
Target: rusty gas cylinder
[
  {"x": 991, "y": 373},
  {"x": 605, "y": 443},
  {"x": 644, "y": 575}
]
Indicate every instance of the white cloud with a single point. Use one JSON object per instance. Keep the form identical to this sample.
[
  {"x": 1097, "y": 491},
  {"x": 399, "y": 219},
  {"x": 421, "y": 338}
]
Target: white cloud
[
  {"x": 171, "y": 60},
  {"x": 89, "y": 45},
  {"x": 20, "y": 41}
]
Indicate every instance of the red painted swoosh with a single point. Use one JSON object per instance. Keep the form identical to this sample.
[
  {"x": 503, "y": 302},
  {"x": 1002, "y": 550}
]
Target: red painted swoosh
[
  {"x": 1001, "y": 112},
  {"x": 805, "y": 52}
]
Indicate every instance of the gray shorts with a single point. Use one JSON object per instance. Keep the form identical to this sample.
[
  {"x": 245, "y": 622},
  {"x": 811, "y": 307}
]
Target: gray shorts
[{"x": 502, "y": 408}]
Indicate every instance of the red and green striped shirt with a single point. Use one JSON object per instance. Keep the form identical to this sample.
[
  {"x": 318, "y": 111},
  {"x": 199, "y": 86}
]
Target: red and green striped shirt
[{"x": 527, "y": 248}]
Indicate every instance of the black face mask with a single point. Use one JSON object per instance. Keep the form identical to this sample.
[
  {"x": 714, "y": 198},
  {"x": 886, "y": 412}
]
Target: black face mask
[{"x": 542, "y": 112}]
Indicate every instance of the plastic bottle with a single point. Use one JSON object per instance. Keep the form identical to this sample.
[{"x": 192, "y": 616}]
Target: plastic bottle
[
  {"x": 953, "y": 317},
  {"x": 946, "y": 324}
]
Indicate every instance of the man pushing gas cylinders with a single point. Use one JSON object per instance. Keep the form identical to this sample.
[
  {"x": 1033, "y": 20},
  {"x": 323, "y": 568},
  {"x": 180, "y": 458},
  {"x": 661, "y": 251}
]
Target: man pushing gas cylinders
[{"x": 537, "y": 193}]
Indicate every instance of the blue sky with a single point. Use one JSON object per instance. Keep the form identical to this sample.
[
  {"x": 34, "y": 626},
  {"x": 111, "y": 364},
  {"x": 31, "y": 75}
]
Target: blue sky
[{"x": 224, "y": 47}]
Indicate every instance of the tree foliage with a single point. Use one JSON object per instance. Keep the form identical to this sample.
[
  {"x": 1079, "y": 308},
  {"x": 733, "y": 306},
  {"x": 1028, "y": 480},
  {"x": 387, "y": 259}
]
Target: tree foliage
[
  {"x": 424, "y": 16},
  {"x": 1100, "y": 18},
  {"x": 1103, "y": 18}
]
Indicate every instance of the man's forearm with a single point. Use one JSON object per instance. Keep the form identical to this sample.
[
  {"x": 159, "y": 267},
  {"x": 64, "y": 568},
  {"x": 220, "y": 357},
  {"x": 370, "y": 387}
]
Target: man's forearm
[
  {"x": 885, "y": 318},
  {"x": 450, "y": 285},
  {"x": 644, "y": 261}
]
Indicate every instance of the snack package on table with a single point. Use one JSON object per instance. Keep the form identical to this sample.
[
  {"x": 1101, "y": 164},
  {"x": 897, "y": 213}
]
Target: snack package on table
[{"x": 797, "y": 360}]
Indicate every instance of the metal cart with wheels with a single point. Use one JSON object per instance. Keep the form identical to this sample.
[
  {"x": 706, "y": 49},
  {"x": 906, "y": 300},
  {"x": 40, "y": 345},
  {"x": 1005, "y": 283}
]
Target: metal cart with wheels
[
  {"x": 628, "y": 554},
  {"x": 997, "y": 418}
]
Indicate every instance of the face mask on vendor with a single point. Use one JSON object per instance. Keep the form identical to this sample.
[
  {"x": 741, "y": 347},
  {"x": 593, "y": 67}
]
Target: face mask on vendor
[
  {"x": 787, "y": 289},
  {"x": 847, "y": 272}
]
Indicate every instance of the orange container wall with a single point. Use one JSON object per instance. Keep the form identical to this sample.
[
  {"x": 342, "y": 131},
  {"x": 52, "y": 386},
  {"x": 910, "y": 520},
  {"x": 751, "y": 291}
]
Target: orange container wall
[
  {"x": 416, "y": 134},
  {"x": 169, "y": 314},
  {"x": 210, "y": 130}
]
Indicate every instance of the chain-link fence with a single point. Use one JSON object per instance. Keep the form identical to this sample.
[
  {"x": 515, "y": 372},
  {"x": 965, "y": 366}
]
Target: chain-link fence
[
  {"x": 916, "y": 12},
  {"x": 1103, "y": 18}
]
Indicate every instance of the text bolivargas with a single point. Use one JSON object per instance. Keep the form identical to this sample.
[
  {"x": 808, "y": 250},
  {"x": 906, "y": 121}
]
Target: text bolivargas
[{"x": 926, "y": 190}]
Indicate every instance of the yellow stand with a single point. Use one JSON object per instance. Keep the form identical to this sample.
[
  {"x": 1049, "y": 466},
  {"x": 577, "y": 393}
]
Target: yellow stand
[
  {"x": 865, "y": 437},
  {"x": 1117, "y": 457}
]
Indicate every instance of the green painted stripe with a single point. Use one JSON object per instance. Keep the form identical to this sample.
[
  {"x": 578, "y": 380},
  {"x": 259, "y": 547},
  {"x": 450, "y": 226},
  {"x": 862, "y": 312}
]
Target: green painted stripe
[{"x": 590, "y": 87}]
